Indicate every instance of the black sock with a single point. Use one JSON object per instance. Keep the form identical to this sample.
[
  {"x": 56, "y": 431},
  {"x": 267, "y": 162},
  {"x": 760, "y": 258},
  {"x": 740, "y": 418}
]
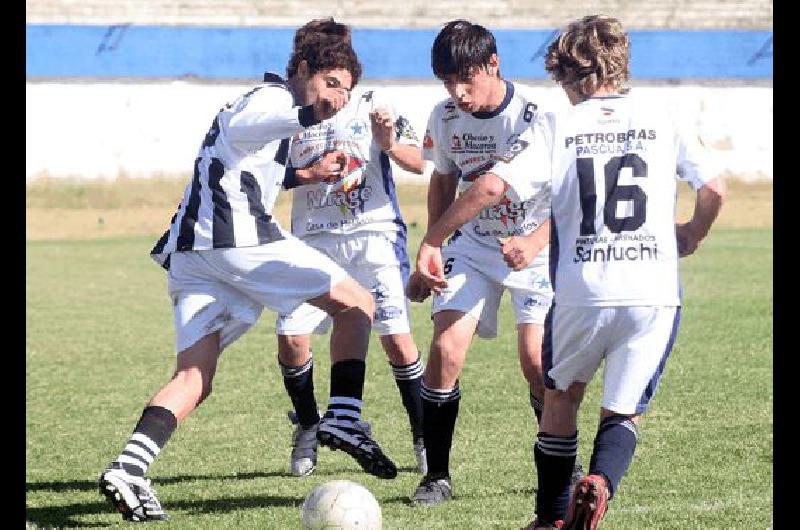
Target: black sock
[
  {"x": 538, "y": 407},
  {"x": 347, "y": 389},
  {"x": 613, "y": 451},
  {"x": 409, "y": 382},
  {"x": 151, "y": 433},
  {"x": 555, "y": 458},
  {"x": 299, "y": 383},
  {"x": 439, "y": 413}
]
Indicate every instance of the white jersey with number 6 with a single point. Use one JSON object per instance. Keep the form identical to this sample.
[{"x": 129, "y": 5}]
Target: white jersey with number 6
[
  {"x": 512, "y": 142},
  {"x": 613, "y": 212}
]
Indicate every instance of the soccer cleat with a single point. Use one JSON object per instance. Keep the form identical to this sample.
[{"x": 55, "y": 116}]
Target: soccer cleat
[
  {"x": 542, "y": 525},
  {"x": 588, "y": 504},
  {"x": 422, "y": 457},
  {"x": 132, "y": 496},
  {"x": 433, "y": 489},
  {"x": 304, "y": 448},
  {"x": 353, "y": 437}
]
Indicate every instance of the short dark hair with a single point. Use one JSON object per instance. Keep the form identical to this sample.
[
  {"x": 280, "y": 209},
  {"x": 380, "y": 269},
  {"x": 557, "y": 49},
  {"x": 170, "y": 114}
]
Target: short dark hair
[
  {"x": 460, "y": 48},
  {"x": 325, "y": 45}
]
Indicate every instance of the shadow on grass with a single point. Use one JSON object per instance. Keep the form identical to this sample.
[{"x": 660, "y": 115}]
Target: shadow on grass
[
  {"x": 68, "y": 515},
  {"x": 65, "y": 515}
]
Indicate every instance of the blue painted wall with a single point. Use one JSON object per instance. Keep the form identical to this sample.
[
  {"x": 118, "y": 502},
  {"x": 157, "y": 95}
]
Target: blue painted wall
[{"x": 245, "y": 53}]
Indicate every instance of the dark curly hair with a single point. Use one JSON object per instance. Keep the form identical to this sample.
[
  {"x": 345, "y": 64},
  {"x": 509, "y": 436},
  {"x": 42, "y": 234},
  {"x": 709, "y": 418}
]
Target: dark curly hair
[
  {"x": 589, "y": 54},
  {"x": 325, "y": 45}
]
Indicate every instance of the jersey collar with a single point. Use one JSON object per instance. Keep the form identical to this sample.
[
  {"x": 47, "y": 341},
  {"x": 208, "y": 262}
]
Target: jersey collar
[{"x": 501, "y": 108}]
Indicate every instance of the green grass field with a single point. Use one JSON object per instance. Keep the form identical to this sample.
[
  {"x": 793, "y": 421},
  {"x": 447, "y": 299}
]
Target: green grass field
[{"x": 99, "y": 343}]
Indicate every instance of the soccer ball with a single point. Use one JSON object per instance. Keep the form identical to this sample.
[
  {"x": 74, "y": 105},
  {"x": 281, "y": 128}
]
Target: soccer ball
[{"x": 341, "y": 505}]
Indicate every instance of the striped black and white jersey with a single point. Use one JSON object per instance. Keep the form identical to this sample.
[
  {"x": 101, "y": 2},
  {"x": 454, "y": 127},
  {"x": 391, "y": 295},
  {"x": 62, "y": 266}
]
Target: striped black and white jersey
[
  {"x": 238, "y": 173},
  {"x": 617, "y": 160}
]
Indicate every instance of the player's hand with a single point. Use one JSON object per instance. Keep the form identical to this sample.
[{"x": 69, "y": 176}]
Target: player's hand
[
  {"x": 430, "y": 267},
  {"x": 382, "y": 128},
  {"x": 516, "y": 254},
  {"x": 417, "y": 290},
  {"x": 688, "y": 239},
  {"x": 330, "y": 168},
  {"x": 329, "y": 102}
]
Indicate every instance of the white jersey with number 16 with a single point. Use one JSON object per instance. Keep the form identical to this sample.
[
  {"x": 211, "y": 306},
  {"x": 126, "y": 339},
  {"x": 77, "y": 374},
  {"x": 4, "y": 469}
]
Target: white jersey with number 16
[{"x": 613, "y": 202}]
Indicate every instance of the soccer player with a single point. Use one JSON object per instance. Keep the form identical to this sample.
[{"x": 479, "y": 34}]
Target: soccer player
[
  {"x": 348, "y": 210},
  {"x": 615, "y": 273},
  {"x": 485, "y": 120},
  {"x": 227, "y": 258}
]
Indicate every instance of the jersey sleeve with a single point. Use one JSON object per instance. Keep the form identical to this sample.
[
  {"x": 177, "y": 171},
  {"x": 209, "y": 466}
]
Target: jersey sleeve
[
  {"x": 264, "y": 115},
  {"x": 694, "y": 165},
  {"x": 434, "y": 146},
  {"x": 526, "y": 164}
]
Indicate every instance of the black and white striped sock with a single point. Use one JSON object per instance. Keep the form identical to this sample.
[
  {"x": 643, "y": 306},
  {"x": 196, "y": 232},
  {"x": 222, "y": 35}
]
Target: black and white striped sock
[
  {"x": 439, "y": 413},
  {"x": 409, "y": 382},
  {"x": 151, "y": 433},
  {"x": 347, "y": 387}
]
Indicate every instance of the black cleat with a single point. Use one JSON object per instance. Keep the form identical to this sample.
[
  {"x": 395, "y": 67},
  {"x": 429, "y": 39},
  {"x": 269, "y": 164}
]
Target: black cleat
[{"x": 353, "y": 438}]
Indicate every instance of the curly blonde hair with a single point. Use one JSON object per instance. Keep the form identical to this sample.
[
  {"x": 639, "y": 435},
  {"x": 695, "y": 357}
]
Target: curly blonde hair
[{"x": 589, "y": 54}]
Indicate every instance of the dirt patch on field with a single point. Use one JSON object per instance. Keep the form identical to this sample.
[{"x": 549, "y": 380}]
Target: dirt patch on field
[{"x": 88, "y": 211}]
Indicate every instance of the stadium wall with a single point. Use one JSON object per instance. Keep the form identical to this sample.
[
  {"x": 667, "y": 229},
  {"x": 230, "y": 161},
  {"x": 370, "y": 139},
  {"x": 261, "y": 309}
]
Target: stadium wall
[{"x": 104, "y": 101}]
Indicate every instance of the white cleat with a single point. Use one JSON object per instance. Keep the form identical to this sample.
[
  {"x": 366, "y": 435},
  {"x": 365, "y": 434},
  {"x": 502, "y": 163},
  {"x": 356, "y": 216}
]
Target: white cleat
[{"x": 304, "y": 448}]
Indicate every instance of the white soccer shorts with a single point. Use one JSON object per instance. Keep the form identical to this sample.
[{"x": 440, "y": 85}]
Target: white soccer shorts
[
  {"x": 635, "y": 342},
  {"x": 378, "y": 262},
  {"x": 226, "y": 289},
  {"x": 477, "y": 277}
]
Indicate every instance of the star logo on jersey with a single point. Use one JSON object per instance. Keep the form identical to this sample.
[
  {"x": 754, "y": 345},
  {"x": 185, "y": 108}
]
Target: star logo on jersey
[{"x": 357, "y": 129}]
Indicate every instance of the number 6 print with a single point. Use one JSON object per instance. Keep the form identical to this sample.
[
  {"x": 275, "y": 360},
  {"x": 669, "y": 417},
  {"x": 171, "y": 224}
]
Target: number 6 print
[{"x": 614, "y": 194}]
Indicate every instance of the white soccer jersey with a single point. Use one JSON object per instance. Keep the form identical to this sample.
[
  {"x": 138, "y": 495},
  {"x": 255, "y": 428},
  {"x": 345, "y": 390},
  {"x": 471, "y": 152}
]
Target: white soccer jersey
[
  {"x": 613, "y": 211},
  {"x": 238, "y": 173},
  {"x": 365, "y": 197},
  {"x": 468, "y": 145}
]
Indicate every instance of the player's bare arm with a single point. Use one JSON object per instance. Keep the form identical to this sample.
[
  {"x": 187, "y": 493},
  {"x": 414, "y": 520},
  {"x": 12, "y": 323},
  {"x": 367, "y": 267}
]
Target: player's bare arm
[
  {"x": 487, "y": 191},
  {"x": 520, "y": 251},
  {"x": 706, "y": 208},
  {"x": 407, "y": 156}
]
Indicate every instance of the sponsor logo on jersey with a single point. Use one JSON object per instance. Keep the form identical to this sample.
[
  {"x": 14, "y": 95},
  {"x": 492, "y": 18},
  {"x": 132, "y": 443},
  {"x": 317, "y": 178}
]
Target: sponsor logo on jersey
[
  {"x": 606, "y": 111},
  {"x": 350, "y": 194},
  {"x": 506, "y": 211},
  {"x": 450, "y": 112},
  {"x": 476, "y": 173},
  {"x": 427, "y": 142},
  {"x": 515, "y": 147},
  {"x": 455, "y": 144}
]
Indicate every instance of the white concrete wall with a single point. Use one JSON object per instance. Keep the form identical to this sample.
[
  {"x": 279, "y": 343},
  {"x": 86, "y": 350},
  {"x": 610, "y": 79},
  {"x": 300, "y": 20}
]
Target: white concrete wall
[{"x": 102, "y": 130}]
